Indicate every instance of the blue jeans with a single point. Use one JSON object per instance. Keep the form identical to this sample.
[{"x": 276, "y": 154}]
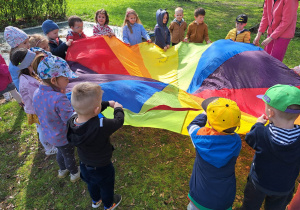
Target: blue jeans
[{"x": 100, "y": 181}]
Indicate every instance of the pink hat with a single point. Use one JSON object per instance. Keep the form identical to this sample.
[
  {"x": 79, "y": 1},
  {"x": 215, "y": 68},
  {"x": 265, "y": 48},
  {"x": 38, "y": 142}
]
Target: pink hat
[{"x": 14, "y": 36}]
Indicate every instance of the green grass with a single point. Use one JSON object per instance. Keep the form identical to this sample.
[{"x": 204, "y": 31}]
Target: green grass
[
  {"x": 153, "y": 166},
  {"x": 152, "y": 171}
]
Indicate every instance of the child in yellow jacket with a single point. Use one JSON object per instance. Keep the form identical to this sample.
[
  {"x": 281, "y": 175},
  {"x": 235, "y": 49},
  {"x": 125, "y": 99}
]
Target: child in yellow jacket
[{"x": 239, "y": 34}]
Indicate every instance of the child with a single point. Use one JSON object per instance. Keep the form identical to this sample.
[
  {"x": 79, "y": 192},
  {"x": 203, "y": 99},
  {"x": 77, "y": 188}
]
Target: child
[
  {"x": 213, "y": 184},
  {"x": 91, "y": 136},
  {"x": 76, "y": 26},
  {"x": 197, "y": 30},
  {"x": 276, "y": 162},
  {"x": 54, "y": 109},
  {"x": 6, "y": 85},
  {"x": 16, "y": 38},
  {"x": 37, "y": 40},
  {"x": 177, "y": 27},
  {"x": 101, "y": 28},
  {"x": 57, "y": 47},
  {"x": 25, "y": 60},
  {"x": 239, "y": 34},
  {"x": 133, "y": 30},
  {"x": 162, "y": 33},
  {"x": 280, "y": 17}
]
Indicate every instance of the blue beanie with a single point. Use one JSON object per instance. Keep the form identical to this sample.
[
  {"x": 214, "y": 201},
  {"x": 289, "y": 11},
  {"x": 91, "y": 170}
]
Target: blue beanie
[{"x": 49, "y": 25}]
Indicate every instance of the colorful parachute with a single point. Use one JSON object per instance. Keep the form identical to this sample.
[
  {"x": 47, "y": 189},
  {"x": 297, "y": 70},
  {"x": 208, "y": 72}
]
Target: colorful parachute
[{"x": 165, "y": 89}]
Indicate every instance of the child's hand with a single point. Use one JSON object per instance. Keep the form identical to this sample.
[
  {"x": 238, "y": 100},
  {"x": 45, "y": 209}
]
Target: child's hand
[
  {"x": 262, "y": 119},
  {"x": 69, "y": 42},
  {"x": 208, "y": 42},
  {"x": 186, "y": 40},
  {"x": 110, "y": 34},
  {"x": 112, "y": 104},
  {"x": 168, "y": 46},
  {"x": 165, "y": 48},
  {"x": 296, "y": 69},
  {"x": 118, "y": 105},
  {"x": 149, "y": 40},
  {"x": 266, "y": 41}
]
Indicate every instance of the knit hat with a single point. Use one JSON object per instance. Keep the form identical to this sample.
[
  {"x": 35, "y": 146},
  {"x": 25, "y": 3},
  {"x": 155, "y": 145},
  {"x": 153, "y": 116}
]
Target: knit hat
[
  {"x": 49, "y": 25},
  {"x": 282, "y": 96},
  {"x": 241, "y": 18},
  {"x": 222, "y": 113},
  {"x": 14, "y": 36},
  {"x": 53, "y": 66}
]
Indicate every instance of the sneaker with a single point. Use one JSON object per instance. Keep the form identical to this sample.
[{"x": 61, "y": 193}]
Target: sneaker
[
  {"x": 75, "y": 177},
  {"x": 97, "y": 204},
  {"x": 117, "y": 201},
  {"x": 62, "y": 173},
  {"x": 51, "y": 151}
]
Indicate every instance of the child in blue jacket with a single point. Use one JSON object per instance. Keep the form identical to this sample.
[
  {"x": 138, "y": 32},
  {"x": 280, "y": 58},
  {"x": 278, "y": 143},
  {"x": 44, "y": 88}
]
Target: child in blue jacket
[
  {"x": 213, "y": 183},
  {"x": 162, "y": 33}
]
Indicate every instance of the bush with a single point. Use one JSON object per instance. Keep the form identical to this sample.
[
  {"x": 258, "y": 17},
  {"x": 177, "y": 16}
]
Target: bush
[{"x": 12, "y": 11}]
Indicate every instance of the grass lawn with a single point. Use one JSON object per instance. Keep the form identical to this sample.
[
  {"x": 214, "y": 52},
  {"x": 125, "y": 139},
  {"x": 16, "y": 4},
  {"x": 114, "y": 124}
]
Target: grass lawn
[{"x": 153, "y": 166}]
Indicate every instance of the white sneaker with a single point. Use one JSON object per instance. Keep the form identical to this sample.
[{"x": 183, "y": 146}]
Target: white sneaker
[
  {"x": 62, "y": 173},
  {"x": 51, "y": 151},
  {"x": 75, "y": 177},
  {"x": 7, "y": 96}
]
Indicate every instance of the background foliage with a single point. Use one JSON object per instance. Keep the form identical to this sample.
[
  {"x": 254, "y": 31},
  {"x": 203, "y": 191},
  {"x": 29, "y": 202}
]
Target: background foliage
[{"x": 21, "y": 11}]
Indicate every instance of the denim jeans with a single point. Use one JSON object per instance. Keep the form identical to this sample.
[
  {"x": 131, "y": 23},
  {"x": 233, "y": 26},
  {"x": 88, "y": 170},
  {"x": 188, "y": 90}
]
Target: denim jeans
[
  {"x": 253, "y": 199},
  {"x": 100, "y": 181}
]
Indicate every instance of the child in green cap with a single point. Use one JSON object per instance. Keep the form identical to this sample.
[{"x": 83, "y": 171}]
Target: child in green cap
[{"x": 276, "y": 162}]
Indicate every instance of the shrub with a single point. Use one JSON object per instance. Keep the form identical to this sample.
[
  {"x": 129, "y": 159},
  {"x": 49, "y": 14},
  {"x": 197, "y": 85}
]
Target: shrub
[{"x": 12, "y": 11}]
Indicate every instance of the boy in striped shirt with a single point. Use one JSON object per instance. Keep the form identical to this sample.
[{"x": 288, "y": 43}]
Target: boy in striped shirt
[{"x": 276, "y": 162}]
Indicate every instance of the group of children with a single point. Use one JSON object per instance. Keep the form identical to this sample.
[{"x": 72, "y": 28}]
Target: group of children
[{"x": 42, "y": 76}]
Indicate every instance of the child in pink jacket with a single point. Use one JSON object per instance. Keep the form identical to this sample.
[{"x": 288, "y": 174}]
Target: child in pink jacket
[
  {"x": 280, "y": 17},
  {"x": 6, "y": 84}
]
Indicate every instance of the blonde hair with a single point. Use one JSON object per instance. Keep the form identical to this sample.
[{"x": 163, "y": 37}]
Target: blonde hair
[
  {"x": 178, "y": 9},
  {"x": 36, "y": 39},
  {"x": 86, "y": 96},
  {"x": 130, "y": 11}
]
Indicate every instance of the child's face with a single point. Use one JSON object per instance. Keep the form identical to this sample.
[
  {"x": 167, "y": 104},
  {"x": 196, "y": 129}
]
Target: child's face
[
  {"x": 131, "y": 18},
  {"x": 78, "y": 27},
  {"x": 199, "y": 18},
  {"x": 44, "y": 45},
  {"x": 62, "y": 82},
  {"x": 240, "y": 26},
  {"x": 53, "y": 34},
  {"x": 24, "y": 44},
  {"x": 101, "y": 18},
  {"x": 178, "y": 15},
  {"x": 165, "y": 19}
]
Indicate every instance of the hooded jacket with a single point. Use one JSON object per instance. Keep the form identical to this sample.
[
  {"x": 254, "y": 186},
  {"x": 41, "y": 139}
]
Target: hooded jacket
[
  {"x": 275, "y": 167},
  {"x": 162, "y": 33},
  {"x": 92, "y": 138},
  {"x": 213, "y": 183},
  {"x": 280, "y": 18}
]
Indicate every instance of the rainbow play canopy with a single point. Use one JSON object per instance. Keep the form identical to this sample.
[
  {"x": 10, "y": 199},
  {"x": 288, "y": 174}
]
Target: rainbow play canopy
[{"x": 165, "y": 89}]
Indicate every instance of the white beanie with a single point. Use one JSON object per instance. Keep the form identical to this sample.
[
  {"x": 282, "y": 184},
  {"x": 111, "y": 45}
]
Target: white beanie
[{"x": 14, "y": 36}]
